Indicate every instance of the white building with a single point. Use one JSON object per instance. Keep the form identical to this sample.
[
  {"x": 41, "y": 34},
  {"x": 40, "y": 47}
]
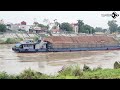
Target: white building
[
  {"x": 25, "y": 27},
  {"x": 75, "y": 27},
  {"x": 1, "y": 21},
  {"x": 14, "y": 27}
]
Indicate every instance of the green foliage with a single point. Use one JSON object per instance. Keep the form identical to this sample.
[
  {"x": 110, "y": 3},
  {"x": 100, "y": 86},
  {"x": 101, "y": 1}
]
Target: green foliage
[
  {"x": 98, "y": 68},
  {"x": 84, "y": 28},
  {"x": 2, "y": 28},
  {"x": 4, "y": 75},
  {"x": 12, "y": 40},
  {"x": 66, "y": 27},
  {"x": 118, "y": 29},
  {"x": 113, "y": 27},
  {"x": 70, "y": 71},
  {"x": 88, "y": 29},
  {"x": 80, "y": 26},
  {"x": 101, "y": 74},
  {"x": 43, "y": 26},
  {"x": 9, "y": 41},
  {"x": 36, "y": 38},
  {"x": 86, "y": 68},
  {"x": 30, "y": 74},
  {"x": 98, "y": 29},
  {"x": 116, "y": 65}
]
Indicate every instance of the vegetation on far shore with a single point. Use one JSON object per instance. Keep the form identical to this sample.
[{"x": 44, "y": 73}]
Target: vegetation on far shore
[
  {"x": 70, "y": 72},
  {"x": 15, "y": 40}
]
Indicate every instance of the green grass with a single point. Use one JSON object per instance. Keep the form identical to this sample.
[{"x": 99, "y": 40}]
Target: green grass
[
  {"x": 101, "y": 74},
  {"x": 70, "y": 72},
  {"x": 10, "y": 40}
]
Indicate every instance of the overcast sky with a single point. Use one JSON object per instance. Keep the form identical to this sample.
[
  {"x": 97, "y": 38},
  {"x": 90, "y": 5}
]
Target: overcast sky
[{"x": 92, "y": 18}]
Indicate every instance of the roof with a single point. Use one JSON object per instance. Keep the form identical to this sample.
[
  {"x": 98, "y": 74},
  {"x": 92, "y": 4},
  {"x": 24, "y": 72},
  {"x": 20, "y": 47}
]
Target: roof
[{"x": 80, "y": 39}]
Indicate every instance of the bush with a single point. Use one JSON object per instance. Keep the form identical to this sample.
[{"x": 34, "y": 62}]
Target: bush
[
  {"x": 30, "y": 74},
  {"x": 36, "y": 38},
  {"x": 17, "y": 40},
  {"x": 116, "y": 65},
  {"x": 98, "y": 68},
  {"x": 86, "y": 68},
  {"x": 10, "y": 41},
  {"x": 27, "y": 74},
  {"x": 71, "y": 71},
  {"x": 4, "y": 75}
]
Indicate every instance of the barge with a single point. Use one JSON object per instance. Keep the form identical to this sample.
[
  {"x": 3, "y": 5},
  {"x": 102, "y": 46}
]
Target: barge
[{"x": 68, "y": 44}]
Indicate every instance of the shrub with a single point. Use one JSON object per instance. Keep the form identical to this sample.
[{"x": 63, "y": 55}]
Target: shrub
[
  {"x": 71, "y": 71},
  {"x": 10, "y": 41},
  {"x": 66, "y": 71},
  {"x": 98, "y": 68},
  {"x": 77, "y": 71},
  {"x": 116, "y": 65},
  {"x": 36, "y": 38},
  {"x": 30, "y": 74},
  {"x": 2, "y": 28},
  {"x": 27, "y": 74},
  {"x": 86, "y": 68},
  {"x": 4, "y": 75}
]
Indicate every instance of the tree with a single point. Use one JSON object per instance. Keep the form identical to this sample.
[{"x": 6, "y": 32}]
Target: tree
[
  {"x": 98, "y": 29},
  {"x": 112, "y": 26},
  {"x": 2, "y": 28},
  {"x": 88, "y": 29},
  {"x": 80, "y": 26},
  {"x": 66, "y": 27},
  {"x": 43, "y": 26},
  {"x": 118, "y": 29}
]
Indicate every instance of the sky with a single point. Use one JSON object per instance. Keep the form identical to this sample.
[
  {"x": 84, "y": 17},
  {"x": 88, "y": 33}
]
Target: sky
[{"x": 93, "y": 18}]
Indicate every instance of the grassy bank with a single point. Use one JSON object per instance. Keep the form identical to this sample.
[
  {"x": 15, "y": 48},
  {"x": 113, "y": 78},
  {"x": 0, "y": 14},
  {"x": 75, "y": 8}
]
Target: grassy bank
[
  {"x": 71, "y": 72},
  {"x": 14, "y": 40},
  {"x": 10, "y": 40}
]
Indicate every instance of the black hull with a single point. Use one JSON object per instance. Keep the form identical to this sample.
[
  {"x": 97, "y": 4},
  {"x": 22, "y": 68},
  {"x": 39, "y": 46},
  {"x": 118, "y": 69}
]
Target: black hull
[{"x": 65, "y": 49}]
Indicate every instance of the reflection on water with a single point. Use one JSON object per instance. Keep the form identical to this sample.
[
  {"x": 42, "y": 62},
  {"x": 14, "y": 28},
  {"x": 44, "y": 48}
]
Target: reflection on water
[{"x": 50, "y": 63}]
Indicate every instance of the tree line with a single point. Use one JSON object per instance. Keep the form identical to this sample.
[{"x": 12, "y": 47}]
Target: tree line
[{"x": 82, "y": 27}]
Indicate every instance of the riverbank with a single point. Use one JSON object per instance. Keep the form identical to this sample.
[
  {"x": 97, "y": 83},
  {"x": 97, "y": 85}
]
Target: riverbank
[
  {"x": 71, "y": 72},
  {"x": 14, "y": 40}
]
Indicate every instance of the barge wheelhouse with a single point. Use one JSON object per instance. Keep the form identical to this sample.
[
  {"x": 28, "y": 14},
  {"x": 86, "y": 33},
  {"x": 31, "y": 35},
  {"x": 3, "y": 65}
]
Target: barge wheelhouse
[{"x": 30, "y": 46}]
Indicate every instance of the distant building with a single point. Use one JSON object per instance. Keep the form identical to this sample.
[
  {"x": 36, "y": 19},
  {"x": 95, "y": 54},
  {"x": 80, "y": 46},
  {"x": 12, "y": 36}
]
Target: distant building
[
  {"x": 38, "y": 30},
  {"x": 75, "y": 27},
  {"x": 14, "y": 26},
  {"x": 23, "y": 23},
  {"x": 18, "y": 26}
]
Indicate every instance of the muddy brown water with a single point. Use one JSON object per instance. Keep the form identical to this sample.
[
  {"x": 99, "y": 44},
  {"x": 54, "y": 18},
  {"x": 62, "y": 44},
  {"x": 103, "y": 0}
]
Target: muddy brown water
[{"x": 52, "y": 62}]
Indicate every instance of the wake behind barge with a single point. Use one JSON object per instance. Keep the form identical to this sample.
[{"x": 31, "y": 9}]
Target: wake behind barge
[{"x": 68, "y": 44}]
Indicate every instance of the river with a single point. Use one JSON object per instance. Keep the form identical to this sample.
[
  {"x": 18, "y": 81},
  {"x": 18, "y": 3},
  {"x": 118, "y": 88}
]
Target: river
[{"x": 52, "y": 62}]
